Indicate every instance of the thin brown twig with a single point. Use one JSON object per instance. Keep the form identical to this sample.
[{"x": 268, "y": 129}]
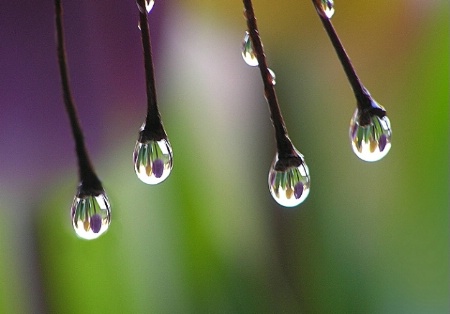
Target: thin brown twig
[
  {"x": 154, "y": 129},
  {"x": 363, "y": 97},
  {"x": 88, "y": 178},
  {"x": 284, "y": 144}
]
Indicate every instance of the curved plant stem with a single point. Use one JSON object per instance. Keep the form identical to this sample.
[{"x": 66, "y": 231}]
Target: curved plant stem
[
  {"x": 284, "y": 144},
  {"x": 364, "y": 100},
  {"x": 88, "y": 178},
  {"x": 154, "y": 129}
]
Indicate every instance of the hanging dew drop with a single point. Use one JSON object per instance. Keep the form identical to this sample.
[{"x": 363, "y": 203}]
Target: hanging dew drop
[
  {"x": 247, "y": 51},
  {"x": 327, "y": 7},
  {"x": 91, "y": 215},
  {"x": 370, "y": 137},
  {"x": 289, "y": 180},
  {"x": 153, "y": 160}
]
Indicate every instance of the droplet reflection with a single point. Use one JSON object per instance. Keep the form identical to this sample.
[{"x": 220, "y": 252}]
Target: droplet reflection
[
  {"x": 289, "y": 180},
  {"x": 272, "y": 77},
  {"x": 91, "y": 215},
  {"x": 247, "y": 51},
  {"x": 153, "y": 160},
  {"x": 148, "y": 6},
  {"x": 371, "y": 140},
  {"x": 327, "y": 7}
]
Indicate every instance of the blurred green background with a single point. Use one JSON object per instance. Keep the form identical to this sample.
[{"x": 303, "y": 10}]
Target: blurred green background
[{"x": 370, "y": 238}]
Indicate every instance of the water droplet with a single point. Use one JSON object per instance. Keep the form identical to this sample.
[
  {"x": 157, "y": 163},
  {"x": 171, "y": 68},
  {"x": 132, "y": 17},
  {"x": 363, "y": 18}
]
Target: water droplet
[
  {"x": 289, "y": 180},
  {"x": 370, "y": 136},
  {"x": 148, "y": 6},
  {"x": 272, "y": 77},
  {"x": 153, "y": 160},
  {"x": 247, "y": 51},
  {"x": 91, "y": 215},
  {"x": 327, "y": 7}
]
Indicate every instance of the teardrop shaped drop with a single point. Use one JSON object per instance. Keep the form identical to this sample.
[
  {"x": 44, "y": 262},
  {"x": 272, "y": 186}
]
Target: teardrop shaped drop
[
  {"x": 153, "y": 160},
  {"x": 370, "y": 141},
  {"x": 91, "y": 215},
  {"x": 289, "y": 180},
  {"x": 327, "y": 7},
  {"x": 148, "y": 6},
  {"x": 247, "y": 51}
]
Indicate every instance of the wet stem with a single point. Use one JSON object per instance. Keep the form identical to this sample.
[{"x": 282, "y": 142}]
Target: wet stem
[
  {"x": 284, "y": 144},
  {"x": 154, "y": 129},
  {"x": 361, "y": 93},
  {"x": 87, "y": 174}
]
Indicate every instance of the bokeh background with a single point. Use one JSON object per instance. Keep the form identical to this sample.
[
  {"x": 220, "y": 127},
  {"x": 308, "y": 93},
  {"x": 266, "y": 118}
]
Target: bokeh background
[{"x": 370, "y": 238}]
